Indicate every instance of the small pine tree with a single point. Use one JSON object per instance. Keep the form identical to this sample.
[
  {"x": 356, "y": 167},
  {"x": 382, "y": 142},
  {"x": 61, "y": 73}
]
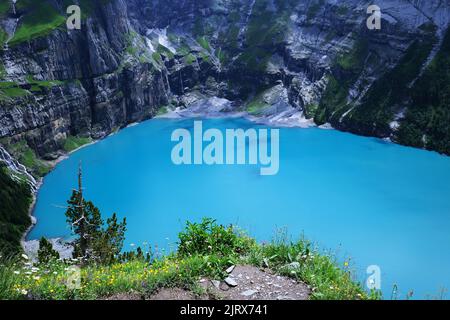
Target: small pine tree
[
  {"x": 110, "y": 240},
  {"x": 46, "y": 253},
  {"x": 95, "y": 242}
]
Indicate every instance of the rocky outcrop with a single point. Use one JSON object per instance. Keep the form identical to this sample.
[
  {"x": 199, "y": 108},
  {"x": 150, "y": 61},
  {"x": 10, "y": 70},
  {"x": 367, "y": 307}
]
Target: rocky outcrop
[{"x": 132, "y": 57}]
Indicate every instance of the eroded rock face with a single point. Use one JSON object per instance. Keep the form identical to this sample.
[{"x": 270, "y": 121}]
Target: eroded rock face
[{"x": 132, "y": 57}]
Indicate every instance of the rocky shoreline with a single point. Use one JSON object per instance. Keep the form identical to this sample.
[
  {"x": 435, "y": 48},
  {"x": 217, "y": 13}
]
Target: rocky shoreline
[{"x": 279, "y": 114}]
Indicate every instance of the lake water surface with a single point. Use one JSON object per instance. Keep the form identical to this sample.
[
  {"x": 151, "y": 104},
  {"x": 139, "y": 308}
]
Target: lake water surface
[{"x": 376, "y": 202}]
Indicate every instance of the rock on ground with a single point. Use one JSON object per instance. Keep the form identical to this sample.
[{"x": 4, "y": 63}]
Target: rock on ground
[
  {"x": 252, "y": 284},
  {"x": 256, "y": 284}
]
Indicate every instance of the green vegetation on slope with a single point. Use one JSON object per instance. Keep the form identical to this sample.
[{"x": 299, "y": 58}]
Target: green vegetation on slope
[
  {"x": 257, "y": 104},
  {"x": 428, "y": 117},
  {"x": 39, "y": 19},
  {"x": 26, "y": 156},
  {"x": 206, "y": 249},
  {"x": 204, "y": 43},
  {"x": 384, "y": 97},
  {"x": 11, "y": 90},
  {"x": 266, "y": 30},
  {"x": 73, "y": 143},
  {"x": 348, "y": 68},
  {"x": 162, "y": 111},
  {"x": 389, "y": 91},
  {"x": 15, "y": 199},
  {"x": 39, "y": 85}
]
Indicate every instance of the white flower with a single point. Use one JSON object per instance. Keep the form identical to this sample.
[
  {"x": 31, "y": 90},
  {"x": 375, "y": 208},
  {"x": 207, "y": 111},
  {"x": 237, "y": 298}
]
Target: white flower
[
  {"x": 36, "y": 278},
  {"x": 54, "y": 272},
  {"x": 16, "y": 272},
  {"x": 24, "y": 292},
  {"x": 25, "y": 256}
]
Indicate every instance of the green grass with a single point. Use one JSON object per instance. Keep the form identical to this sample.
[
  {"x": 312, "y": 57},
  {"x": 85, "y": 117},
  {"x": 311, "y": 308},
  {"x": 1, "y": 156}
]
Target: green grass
[
  {"x": 256, "y": 105},
  {"x": 354, "y": 60},
  {"x": 183, "y": 50},
  {"x": 11, "y": 90},
  {"x": 38, "y": 85},
  {"x": 205, "y": 57},
  {"x": 204, "y": 43},
  {"x": 40, "y": 18},
  {"x": 161, "y": 111},
  {"x": 157, "y": 57},
  {"x": 190, "y": 59},
  {"x": 73, "y": 143},
  {"x": 162, "y": 50},
  {"x": 28, "y": 158},
  {"x": 206, "y": 249}
]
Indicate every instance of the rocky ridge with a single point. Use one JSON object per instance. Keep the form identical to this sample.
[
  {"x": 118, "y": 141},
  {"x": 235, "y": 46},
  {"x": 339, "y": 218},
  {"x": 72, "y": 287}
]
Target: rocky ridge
[{"x": 275, "y": 59}]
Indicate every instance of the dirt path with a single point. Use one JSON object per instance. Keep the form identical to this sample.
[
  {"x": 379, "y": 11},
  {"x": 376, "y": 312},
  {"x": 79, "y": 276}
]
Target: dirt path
[
  {"x": 243, "y": 283},
  {"x": 251, "y": 283}
]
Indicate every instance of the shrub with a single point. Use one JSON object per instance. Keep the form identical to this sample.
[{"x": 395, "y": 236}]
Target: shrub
[
  {"x": 46, "y": 253},
  {"x": 208, "y": 237}
]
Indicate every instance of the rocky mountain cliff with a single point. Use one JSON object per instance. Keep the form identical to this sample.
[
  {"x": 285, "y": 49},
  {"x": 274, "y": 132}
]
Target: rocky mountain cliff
[{"x": 133, "y": 59}]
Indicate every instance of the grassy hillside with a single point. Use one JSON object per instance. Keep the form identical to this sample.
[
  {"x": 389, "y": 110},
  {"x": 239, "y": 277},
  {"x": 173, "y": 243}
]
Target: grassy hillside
[
  {"x": 205, "y": 250},
  {"x": 39, "y": 18},
  {"x": 15, "y": 199}
]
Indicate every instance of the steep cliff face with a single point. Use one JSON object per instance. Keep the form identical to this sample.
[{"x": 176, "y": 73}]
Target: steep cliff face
[
  {"x": 75, "y": 83},
  {"x": 133, "y": 57}
]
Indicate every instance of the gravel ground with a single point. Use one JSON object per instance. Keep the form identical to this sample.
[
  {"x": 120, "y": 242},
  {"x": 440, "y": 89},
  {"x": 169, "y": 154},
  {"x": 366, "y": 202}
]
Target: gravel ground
[{"x": 243, "y": 283}]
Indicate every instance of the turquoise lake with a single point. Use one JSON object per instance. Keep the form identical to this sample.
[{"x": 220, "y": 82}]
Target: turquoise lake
[{"x": 365, "y": 199}]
